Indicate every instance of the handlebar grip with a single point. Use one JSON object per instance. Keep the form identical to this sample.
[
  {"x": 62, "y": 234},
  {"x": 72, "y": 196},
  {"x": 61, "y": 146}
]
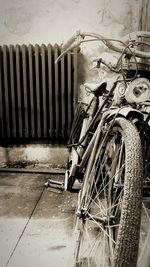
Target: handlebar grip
[{"x": 69, "y": 43}]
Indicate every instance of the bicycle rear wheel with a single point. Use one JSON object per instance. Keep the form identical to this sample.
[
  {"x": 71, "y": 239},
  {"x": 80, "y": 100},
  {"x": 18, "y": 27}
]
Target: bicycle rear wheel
[{"x": 109, "y": 204}]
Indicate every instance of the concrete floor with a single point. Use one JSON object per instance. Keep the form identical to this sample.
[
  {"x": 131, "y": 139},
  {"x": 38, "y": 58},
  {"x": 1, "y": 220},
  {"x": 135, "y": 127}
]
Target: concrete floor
[
  {"x": 36, "y": 223},
  {"x": 34, "y": 235}
]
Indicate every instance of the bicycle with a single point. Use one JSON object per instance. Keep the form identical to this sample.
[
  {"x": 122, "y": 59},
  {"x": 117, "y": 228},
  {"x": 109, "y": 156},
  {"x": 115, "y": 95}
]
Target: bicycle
[{"x": 110, "y": 158}]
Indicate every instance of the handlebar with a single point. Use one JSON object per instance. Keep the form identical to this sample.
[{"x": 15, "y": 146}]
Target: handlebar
[
  {"x": 135, "y": 35},
  {"x": 126, "y": 43},
  {"x": 68, "y": 45},
  {"x": 71, "y": 41}
]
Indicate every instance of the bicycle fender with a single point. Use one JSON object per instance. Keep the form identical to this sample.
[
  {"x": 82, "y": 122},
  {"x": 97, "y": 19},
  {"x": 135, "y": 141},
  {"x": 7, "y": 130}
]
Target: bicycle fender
[
  {"x": 74, "y": 159},
  {"x": 126, "y": 112}
]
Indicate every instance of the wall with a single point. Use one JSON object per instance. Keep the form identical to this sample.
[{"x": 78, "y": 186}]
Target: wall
[
  {"x": 36, "y": 21},
  {"x": 54, "y": 21},
  {"x": 45, "y": 155}
]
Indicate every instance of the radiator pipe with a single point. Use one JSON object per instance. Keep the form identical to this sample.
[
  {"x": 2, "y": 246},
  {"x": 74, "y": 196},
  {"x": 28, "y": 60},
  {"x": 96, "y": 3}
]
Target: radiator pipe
[{"x": 40, "y": 171}]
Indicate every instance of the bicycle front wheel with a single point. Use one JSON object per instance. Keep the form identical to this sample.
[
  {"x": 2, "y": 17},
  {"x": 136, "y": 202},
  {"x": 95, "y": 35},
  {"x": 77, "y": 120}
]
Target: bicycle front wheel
[{"x": 109, "y": 204}]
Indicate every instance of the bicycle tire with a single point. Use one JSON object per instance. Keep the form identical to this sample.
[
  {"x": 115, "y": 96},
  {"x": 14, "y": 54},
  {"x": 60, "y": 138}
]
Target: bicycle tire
[{"x": 110, "y": 200}]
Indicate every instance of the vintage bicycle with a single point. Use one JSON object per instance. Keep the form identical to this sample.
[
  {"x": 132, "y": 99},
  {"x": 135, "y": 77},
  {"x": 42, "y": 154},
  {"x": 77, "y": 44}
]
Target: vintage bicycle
[{"x": 109, "y": 158}]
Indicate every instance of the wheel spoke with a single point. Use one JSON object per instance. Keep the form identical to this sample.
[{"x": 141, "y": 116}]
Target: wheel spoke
[
  {"x": 146, "y": 211},
  {"x": 99, "y": 225}
]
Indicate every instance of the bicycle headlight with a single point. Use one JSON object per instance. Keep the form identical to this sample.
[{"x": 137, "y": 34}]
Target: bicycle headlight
[{"x": 138, "y": 91}]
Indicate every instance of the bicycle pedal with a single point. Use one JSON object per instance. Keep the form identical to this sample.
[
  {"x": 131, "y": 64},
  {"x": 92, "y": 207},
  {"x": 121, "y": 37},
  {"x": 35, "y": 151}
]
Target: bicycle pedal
[{"x": 54, "y": 184}]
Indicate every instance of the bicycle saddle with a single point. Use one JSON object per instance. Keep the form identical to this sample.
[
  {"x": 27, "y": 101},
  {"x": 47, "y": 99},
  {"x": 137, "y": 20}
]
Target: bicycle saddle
[{"x": 96, "y": 88}]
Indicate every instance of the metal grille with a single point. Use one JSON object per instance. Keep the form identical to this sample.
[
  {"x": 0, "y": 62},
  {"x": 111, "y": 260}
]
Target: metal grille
[{"x": 37, "y": 97}]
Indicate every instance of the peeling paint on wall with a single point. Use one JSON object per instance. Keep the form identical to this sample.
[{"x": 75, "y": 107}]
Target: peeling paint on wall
[{"x": 50, "y": 21}]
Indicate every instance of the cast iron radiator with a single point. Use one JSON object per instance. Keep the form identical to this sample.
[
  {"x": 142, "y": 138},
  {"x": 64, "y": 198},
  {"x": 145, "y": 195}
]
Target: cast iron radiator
[{"x": 37, "y": 96}]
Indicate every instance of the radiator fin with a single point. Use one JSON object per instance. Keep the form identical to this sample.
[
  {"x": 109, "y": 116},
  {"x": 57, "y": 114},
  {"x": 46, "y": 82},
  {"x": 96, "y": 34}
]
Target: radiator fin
[{"x": 37, "y": 96}]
